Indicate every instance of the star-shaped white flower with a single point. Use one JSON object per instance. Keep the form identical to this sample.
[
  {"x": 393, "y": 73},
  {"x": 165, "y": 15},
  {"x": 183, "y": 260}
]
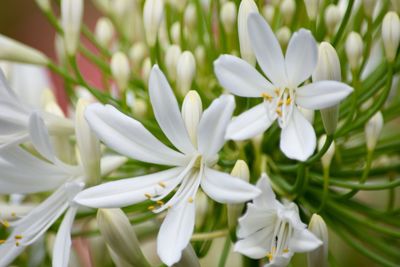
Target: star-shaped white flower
[
  {"x": 198, "y": 137},
  {"x": 283, "y": 93},
  {"x": 273, "y": 230}
]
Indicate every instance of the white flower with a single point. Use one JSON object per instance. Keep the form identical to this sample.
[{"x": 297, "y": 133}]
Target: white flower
[
  {"x": 71, "y": 19},
  {"x": 192, "y": 163},
  {"x": 271, "y": 229},
  {"x": 286, "y": 92}
]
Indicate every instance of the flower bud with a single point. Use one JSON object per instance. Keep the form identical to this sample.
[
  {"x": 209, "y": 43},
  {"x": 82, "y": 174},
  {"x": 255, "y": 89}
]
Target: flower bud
[
  {"x": 328, "y": 68},
  {"x": 190, "y": 16},
  {"x": 246, "y": 52},
  {"x": 200, "y": 55},
  {"x": 189, "y": 258},
  {"x": 312, "y": 8},
  {"x": 146, "y": 68},
  {"x": 391, "y": 34},
  {"x": 176, "y": 32},
  {"x": 153, "y": 13},
  {"x": 71, "y": 20},
  {"x": 192, "y": 109},
  {"x": 137, "y": 53},
  {"x": 185, "y": 72},
  {"x": 373, "y": 129},
  {"x": 319, "y": 256},
  {"x": 354, "y": 50},
  {"x": 332, "y": 17},
  {"x": 59, "y": 48},
  {"x": 118, "y": 234},
  {"x": 240, "y": 170},
  {"x": 104, "y": 31},
  {"x": 268, "y": 12},
  {"x": 326, "y": 159},
  {"x": 15, "y": 51},
  {"x": 283, "y": 36},
  {"x": 369, "y": 7},
  {"x": 228, "y": 16},
  {"x": 120, "y": 70},
  {"x": 171, "y": 60},
  {"x": 287, "y": 8},
  {"x": 44, "y": 5},
  {"x": 88, "y": 144}
]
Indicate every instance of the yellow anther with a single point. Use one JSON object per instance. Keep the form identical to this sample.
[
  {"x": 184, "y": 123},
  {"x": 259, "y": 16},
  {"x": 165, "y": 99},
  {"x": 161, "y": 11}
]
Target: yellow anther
[
  {"x": 266, "y": 96},
  {"x": 286, "y": 250},
  {"x": 13, "y": 214},
  {"x": 169, "y": 206},
  {"x": 190, "y": 200},
  {"x": 18, "y": 237},
  {"x": 151, "y": 207},
  {"x": 17, "y": 244},
  {"x": 288, "y": 101},
  {"x": 5, "y": 223},
  {"x": 279, "y": 112},
  {"x": 160, "y": 202},
  {"x": 269, "y": 255},
  {"x": 147, "y": 195},
  {"x": 280, "y": 103},
  {"x": 277, "y": 91},
  {"x": 162, "y": 184},
  {"x": 2, "y": 241}
]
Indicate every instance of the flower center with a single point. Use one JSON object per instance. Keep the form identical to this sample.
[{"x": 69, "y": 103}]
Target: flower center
[
  {"x": 280, "y": 242},
  {"x": 280, "y": 104}
]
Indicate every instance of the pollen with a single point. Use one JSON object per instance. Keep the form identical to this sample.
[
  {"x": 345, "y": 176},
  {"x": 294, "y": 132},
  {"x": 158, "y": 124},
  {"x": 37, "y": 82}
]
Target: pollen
[
  {"x": 269, "y": 256},
  {"x": 190, "y": 200},
  {"x": 286, "y": 250},
  {"x": 162, "y": 184},
  {"x": 151, "y": 207},
  {"x": 266, "y": 96},
  {"x": 17, "y": 244},
  {"x": 18, "y": 237},
  {"x": 279, "y": 112},
  {"x": 2, "y": 241},
  {"x": 277, "y": 91},
  {"x": 288, "y": 101},
  {"x": 160, "y": 202},
  {"x": 13, "y": 214},
  {"x": 147, "y": 195},
  {"x": 5, "y": 223},
  {"x": 280, "y": 103}
]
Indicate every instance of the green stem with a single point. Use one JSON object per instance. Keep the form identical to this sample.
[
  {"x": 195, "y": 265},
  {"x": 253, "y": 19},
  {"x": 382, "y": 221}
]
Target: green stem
[
  {"x": 325, "y": 188},
  {"x": 225, "y": 253},
  {"x": 343, "y": 24}
]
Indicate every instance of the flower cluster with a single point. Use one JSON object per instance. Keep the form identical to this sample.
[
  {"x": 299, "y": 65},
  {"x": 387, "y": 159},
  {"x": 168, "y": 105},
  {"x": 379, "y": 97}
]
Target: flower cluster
[{"x": 203, "y": 126}]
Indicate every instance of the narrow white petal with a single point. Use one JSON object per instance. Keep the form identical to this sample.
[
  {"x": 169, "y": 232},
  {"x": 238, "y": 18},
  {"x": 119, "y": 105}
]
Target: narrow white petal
[
  {"x": 322, "y": 94},
  {"x": 110, "y": 163},
  {"x": 175, "y": 232},
  {"x": 8, "y": 252},
  {"x": 240, "y": 78},
  {"x": 255, "y": 219},
  {"x": 225, "y": 188},
  {"x": 249, "y": 124},
  {"x": 301, "y": 57},
  {"x": 126, "y": 191},
  {"x": 267, "y": 49},
  {"x": 267, "y": 198},
  {"x": 167, "y": 112},
  {"x": 304, "y": 241},
  {"x": 298, "y": 138},
  {"x": 254, "y": 246},
  {"x": 62, "y": 244},
  {"x": 213, "y": 124},
  {"x": 280, "y": 260},
  {"x": 129, "y": 137},
  {"x": 40, "y": 137}
]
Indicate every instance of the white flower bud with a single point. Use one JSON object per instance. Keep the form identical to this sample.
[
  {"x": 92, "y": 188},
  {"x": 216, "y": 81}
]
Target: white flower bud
[
  {"x": 328, "y": 68},
  {"x": 391, "y": 34},
  {"x": 354, "y": 49},
  {"x": 192, "y": 110},
  {"x": 171, "y": 60},
  {"x": 59, "y": 47},
  {"x": 185, "y": 72},
  {"x": 369, "y": 7},
  {"x": 104, "y": 31},
  {"x": 71, "y": 20},
  {"x": 287, "y": 8},
  {"x": 118, "y": 234},
  {"x": 312, "y": 8},
  {"x": 326, "y": 159},
  {"x": 319, "y": 256},
  {"x": 228, "y": 16},
  {"x": 283, "y": 36},
  {"x": 332, "y": 17},
  {"x": 15, "y": 51},
  {"x": 246, "y": 52},
  {"x": 268, "y": 12},
  {"x": 153, "y": 13},
  {"x": 137, "y": 53},
  {"x": 200, "y": 55},
  {"x": 240, "y": 170},
  {"x": 373, "y": 129},
  {"x": 88, "y": 144},
  {"x": 190, "y": 16},
  {"x": 44, "y": 5},
  {"x": 176, "y": 32},
  {"x": 120, "y": 70},
  {"x": 146, "y": 68}
]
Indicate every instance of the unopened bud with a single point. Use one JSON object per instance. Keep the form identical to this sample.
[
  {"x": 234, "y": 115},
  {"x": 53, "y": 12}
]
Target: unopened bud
[
  {"x": 153, "y": 13},
  {"x": 185, "y": 72},
  {"x": 88, "y": 144},
  {"x": 189, "y": 258},
  {"x": 200, "y": 55},
  {"x": 171, "y": 60},
  {"x": 15, "y": 51},
  {"x": 283, "y": 36},
  {"x": 319, "y": 256},
  {"x": 391, "y": 34},
  {"x": 228, "y": 16},
  {"x": 240, "y": 170},
  {"x": 246, "y": 52},
  {"x": 328, "y": 68},
  {"x": 104, "y": 31},
  {"x": 326, "y": 159},
  {"x": 71, "y": 19},
  {"x": 137, "y": 53},
  {"x": 369, "y": 7},
  {"x": 312, "y": 8},
  {"x": 268, "y": 12},
  {"x": 120, "y": 70},
  {"x": 288, "y": 7},
  {"x": 190, "y": 16},
  {"x": 44, "y": 5},
  {"x": 354, "y": 50},
  {"x": 373, "y": 130},
  {"x": 176, "y": 32},
  {"x": 118, "y": 234},
  {"x": 192, "y": 109},
  {"x": 332, "y": 17},
  {"x": 59, "y": 48},
  {"x": 146, "y": 68}
]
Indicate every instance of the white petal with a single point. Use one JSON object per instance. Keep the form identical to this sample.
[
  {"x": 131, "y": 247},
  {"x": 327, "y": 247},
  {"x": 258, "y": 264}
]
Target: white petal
[
  {"x": 225, "y": 188},
  {"x": 298, "y": 138},
  {"x": 255, "y": 219},
  {"x": 175, "y": 232},
  {"x": 322, "y": 94},
  {"x": 129, "y": 137},
  {"x": 304, "y": 241},
  {"x": 8, "y": 252},
  {"x": 267, "y": 49},
  {"x": 267, "y": 198},
  {"x": 167, "y": 112},
  {"x": 110, "y": 163},
  {"x": 249, "y": 124},
  {"x": 40, "y": 137},
  {"x": 240, "y": 78},
  {"x": 126, "y": 191},
  {"x": 301, "y": 57},
  {"x": 62, "y": 244},
  {"x": 254, "y": 246},
  {"x": 213, "y": 124},
  {"x": 280, "y": 260}
]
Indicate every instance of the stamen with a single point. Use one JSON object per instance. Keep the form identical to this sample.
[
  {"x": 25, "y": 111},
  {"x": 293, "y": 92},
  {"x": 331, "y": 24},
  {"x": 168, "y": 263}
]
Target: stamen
[
  {"x": 151, "y": 207},
  {"x": 190, "y": 200},
  {"x": 279, "y": 112},
  {"x": 5, "y": 223},
  {"x": 147, "y": 195},
  {"x": 266, "y": 96},
  {"x": 277, "y": 91},
  {"x": 280, "y": 103},
  {"x": 288, "y": 101},
  {"x": 269, "y": 255},
  {"x": 2, "y": 241},
  {"x": 18, "y": 237},
  {"x": 17, "y": 244},
  {"x": 286, "y": 250},
  {"x": 160, "y": 202},
  {"x": 13, "y": 214},
  {"x": 162, "y": 184}
]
